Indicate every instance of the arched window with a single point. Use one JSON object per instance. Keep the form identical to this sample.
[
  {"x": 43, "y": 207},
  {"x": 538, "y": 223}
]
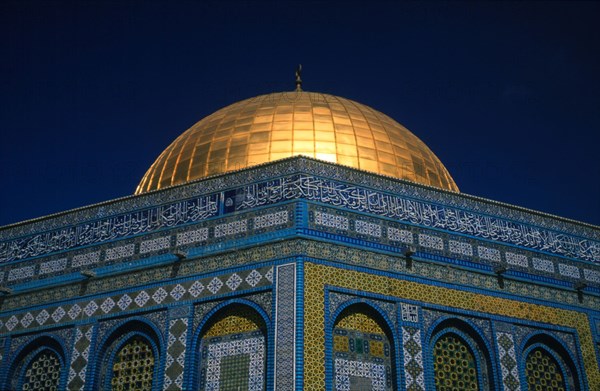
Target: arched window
[
  {"x": 129, "y": 358},
  {"x": 233, "y": 350},
  {"x": 363, "y": 355},
  {"x": 549, "y": 366},
  {"x": 133, "y": 366},
  {"x": 38, "y": 366},
  {"x": 454, "y": 364},
  {"x": 543, "y": 372},
  {"x": 43, "y": 372},
  {"x": 460, "y": 358}
]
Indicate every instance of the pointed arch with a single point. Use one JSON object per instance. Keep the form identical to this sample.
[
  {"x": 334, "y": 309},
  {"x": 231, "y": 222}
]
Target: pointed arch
[
  {"x": 231, "y": 346},
  {"x": 459, "y": 356},
  {"x": 39, "y": 365},
  {"x": 547, "y": 364},
  {"x": 362, "y": 348},
  {"x": 129, "y": 357}
]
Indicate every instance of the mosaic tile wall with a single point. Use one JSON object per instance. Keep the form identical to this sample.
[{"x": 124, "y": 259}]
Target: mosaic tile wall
[
  {"x": 399, "y": 201},
  {"x": 133, "y": 366},
  {"x": 43, "y": 372},
  {"x": 361, "y": 229},
  {"x": 80, "y": 356},
  {"x": 414, "y": 371},
  {"x": 176, "y": 354},
  {"x": 204, "y": 234},
  {"x": 454, "y": 365},
  {"x": 508, "y": 361},
  {"x": 362, "y": 357},
  {"x": 390, "y": 235},
  {"x": 285, "y": 329},
  {"x": 287, "y": 167},
  {"x": 142, "y": 298},
  {"x": 543, "y": 372},
  {"x": 233, "y": 351},
  {"x": 319, "y": 277}
]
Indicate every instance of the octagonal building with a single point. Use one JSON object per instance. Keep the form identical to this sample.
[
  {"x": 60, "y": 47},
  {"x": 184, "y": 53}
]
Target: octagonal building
[{"x": 299, "y": 241}]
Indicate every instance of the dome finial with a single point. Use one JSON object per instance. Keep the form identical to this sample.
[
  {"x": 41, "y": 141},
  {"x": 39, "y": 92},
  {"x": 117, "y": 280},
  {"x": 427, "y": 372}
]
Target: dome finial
[{"x": 299, "y": 78}]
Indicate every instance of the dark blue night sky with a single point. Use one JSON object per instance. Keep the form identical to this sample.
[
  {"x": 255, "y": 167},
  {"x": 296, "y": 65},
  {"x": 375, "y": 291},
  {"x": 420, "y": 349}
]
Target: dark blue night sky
[{"x": 506, "y": 94}]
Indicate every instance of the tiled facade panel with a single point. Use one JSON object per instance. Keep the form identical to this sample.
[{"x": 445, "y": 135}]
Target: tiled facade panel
[
  {"x": 424, "y": 357},
  {"x": 232, "y": 351},
  {"x": 300, "y": 275}
]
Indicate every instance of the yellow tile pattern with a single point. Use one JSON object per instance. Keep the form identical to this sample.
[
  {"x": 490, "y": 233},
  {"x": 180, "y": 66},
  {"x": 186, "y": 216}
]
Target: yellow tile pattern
[
  {"x": 454, "y": 366},
  {"x": 360, "y": 322},
  {"x": 341, "y": 343},
  {"x": 317, "y": 276},
  {"x": 279, "y": 125},
  {"x": 230, "y": 322},
  {"x": 543, "y": 372}
]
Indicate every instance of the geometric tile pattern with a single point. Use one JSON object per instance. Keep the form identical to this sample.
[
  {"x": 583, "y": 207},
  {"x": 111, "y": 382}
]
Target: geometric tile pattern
[
  {"x": 454, "y": 365},
  {"x": 80, "y": 357},
  {"x": 271, "y": 219},
  {"x": 367, "y": 228},
  {"x": 543, "y": 265},
  {"x": 508, "y": 361},
  {"x": 414, "y": 373},
  {"x": 460, "y": 248},
  {"x": 569, "y": 270},
  {"x": 188, "y": 290},
  {"x": 516, "y": 259},
  {"x": 176, "y": 350},
  {"x": 53, "y": 266},
  {"x": 362, "y": 351},
  {"x": 133, "y": 366},
  {"x": 592, "y": 275},
  {"x": 285, "y": 327},
  {"x": 543, "y": 372},
  {"x": 235, "y": 362},
  {"x": 332, "y": 221},
  {"x": 358, "y": 375},
  {"x": 399, "y": 235},
  {"x": 359, "y": 321},
  {"x": 155, "y": 244},
  {"x": 19, "y": 273},
  {"x": 43, "y": 372},
  {"x": 491, "y": 254},
  {"x": 319, "y": 276},
  {"x": 430, "y": 241}
]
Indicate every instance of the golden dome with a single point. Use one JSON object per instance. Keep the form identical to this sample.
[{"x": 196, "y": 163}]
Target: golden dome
[{"x": 279, "y": 125}]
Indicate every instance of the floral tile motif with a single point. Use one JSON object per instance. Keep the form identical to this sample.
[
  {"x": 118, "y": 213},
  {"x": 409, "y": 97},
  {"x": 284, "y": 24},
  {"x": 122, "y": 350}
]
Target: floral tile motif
[
  {"x": 508, "y": 361},
  {"x": 413, "y": 359}
]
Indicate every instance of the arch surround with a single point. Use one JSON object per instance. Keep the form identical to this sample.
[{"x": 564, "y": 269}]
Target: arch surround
[
  {"x": 467, "y": 335},
  {"x": 231, "y": 348},
  {"x": 25, "y": 356},
  {"x": 120, "y": 336},
  {"x": 555, "y": 350},
  {"x": 361, "y": 351}
]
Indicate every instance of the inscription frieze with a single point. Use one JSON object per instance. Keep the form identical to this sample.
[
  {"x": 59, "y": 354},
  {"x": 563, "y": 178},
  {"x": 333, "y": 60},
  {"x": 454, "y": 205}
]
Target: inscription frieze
[{"x": 309, "y": 187}]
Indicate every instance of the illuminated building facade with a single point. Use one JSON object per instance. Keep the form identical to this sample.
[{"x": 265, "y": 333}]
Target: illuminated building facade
[{"x": 241, "y": 266}]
